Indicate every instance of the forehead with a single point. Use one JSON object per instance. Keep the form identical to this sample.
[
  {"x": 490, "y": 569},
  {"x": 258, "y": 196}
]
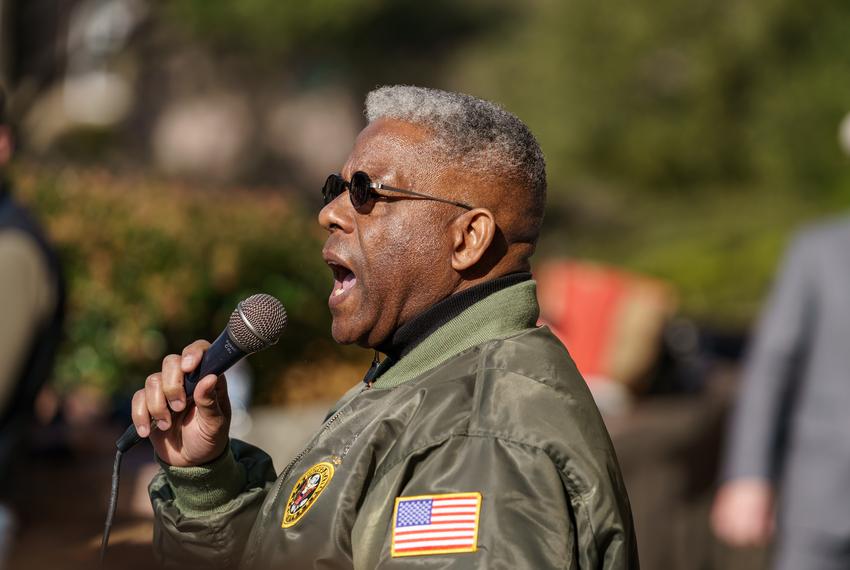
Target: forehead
[{"x": 391, "y": 147}]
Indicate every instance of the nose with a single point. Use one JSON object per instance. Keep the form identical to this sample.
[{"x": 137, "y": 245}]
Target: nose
[{"x": 338, "y": 214}]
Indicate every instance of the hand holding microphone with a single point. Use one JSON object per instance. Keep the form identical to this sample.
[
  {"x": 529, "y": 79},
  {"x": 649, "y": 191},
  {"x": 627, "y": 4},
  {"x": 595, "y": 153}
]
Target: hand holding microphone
[{"x": 184, "y": 409}]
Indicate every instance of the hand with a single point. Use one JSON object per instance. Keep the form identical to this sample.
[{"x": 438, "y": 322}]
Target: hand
[
  {"x": 183, "y": 437},
  {"x": 742, "y": 514}
]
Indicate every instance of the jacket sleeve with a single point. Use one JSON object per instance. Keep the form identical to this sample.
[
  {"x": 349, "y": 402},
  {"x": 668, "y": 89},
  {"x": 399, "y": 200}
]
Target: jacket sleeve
[
  {"x": 203, "y": 515},
  {"x": 528, "y": 517},
  {"x": 771, "y": 368}
]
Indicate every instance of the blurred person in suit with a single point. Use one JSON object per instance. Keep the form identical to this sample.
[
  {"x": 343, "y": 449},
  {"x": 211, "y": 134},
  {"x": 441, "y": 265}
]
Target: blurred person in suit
[
  {"x": 787, "y": 469},
  {"x": 32, "y": 307}
]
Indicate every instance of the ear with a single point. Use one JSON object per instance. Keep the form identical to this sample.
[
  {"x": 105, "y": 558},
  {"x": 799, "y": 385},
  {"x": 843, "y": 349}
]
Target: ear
[{"x": 472, "y": 233}]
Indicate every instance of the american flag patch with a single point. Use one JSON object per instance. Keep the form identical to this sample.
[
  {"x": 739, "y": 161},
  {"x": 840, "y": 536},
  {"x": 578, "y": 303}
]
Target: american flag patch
[{"x": 435, "y": 524}]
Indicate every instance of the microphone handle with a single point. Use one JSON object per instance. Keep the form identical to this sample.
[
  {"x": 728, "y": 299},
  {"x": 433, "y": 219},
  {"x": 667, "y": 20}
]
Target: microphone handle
[{"x": 221, "y": 355}]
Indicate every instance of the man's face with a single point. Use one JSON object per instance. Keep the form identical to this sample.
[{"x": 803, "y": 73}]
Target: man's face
[{"x": 392, "y": 260}]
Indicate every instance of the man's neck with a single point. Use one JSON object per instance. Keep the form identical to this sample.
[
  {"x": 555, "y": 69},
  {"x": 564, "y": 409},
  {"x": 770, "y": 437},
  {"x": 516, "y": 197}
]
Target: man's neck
[{"x": 408, "y": 336}]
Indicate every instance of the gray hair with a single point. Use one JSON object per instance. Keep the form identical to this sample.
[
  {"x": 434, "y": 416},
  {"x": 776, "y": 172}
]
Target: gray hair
[{"x": 479, "y": 134}]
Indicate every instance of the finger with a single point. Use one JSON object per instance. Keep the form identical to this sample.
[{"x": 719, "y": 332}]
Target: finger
[
  {"x": 192, "y": 355},
  {"x": 208, "y": 393},
  {"x": 222, "y": 396},
  {"x": 172, "y": 382},
  {"x": 140, "y": 415},
  {"x": 155, "y": 399}
]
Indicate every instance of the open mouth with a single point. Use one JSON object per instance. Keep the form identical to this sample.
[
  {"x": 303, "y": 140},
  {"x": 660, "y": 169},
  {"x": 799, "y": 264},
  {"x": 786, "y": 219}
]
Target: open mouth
[{"x": 344, "y": 280}]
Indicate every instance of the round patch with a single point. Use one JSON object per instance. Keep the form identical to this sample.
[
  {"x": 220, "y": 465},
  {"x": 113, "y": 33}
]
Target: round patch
[{"x": 306, "y": 491}]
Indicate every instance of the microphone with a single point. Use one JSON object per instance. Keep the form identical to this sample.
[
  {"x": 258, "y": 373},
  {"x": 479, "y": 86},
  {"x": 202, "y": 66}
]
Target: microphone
[{"x": 255, "y": 324}]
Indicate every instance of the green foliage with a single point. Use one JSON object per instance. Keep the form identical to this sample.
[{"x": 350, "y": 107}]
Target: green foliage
[
  {"x": 682, "y": 139},
  {"x": 149, "y": 263},
  {"x": 355, "y": 41},
  {"x": 664, "y": 96},
  {"x": 269, "y": 26}
]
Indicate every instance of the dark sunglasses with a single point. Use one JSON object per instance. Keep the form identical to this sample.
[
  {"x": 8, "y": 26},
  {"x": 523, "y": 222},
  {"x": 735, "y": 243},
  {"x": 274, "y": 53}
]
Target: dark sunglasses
[{"x": 361, "y": 190}]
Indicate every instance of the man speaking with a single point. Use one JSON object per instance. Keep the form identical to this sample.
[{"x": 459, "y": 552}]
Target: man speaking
[{"x": 474, "y": 444}]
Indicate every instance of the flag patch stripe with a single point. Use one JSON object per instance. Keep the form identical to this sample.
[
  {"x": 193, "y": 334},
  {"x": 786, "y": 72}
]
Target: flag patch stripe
[
  {"x": 433, "y": 534},
  {"x": 453, "y": 526},
  {"x": 449, "y": 510},
  {"x": 432, "y": 524}
]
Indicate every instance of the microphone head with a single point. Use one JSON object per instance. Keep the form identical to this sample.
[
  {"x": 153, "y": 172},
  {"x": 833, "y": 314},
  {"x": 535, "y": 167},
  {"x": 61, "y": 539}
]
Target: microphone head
[{"x": 257, "y": 322}]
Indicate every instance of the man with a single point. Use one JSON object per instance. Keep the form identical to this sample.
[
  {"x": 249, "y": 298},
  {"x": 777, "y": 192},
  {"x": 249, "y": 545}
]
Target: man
[
  {"x": 32, "y": 307},
  {"x": 474, "y": 444},
  {"x": 792, "y": 420}
]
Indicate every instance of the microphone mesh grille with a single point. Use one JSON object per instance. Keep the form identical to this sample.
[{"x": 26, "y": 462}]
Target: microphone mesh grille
[{"x": 266, "y": 316}]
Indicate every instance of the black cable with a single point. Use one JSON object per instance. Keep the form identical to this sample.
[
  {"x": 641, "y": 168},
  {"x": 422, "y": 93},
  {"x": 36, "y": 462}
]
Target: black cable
[{"x": 113, "y": 503}]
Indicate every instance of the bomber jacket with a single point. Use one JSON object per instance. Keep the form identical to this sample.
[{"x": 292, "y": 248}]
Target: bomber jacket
[{"x": 485, "y": 424}]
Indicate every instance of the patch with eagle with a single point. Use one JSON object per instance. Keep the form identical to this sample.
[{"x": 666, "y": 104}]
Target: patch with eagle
[{"x": 306, "y": 491}]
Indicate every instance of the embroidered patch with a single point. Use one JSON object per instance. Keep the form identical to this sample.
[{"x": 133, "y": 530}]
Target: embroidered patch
[
  {"x": 435, "y": 524},
  {"x": 306, "y": 491}
]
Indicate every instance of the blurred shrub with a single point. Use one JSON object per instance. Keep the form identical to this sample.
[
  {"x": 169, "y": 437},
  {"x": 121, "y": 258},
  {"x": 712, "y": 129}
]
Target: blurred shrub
[{"x": 152, "y": 266}]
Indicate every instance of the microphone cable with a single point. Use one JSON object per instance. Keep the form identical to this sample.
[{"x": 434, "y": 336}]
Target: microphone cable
[
  {"x": 113, "y": 504},
  {"x": 127, "y": 440}
]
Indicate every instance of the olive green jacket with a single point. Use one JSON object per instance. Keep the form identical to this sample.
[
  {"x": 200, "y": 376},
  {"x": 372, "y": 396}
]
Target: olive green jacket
[{"x": 488, "y": 404}]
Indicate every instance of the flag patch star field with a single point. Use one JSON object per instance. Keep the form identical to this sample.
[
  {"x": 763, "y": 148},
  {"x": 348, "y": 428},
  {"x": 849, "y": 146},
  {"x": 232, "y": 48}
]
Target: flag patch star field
[{"x": 435, "y": 524}]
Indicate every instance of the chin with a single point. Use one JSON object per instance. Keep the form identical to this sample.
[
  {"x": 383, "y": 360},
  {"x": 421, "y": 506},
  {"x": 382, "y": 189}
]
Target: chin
[
  {"x": 347, "y": 332},
  {"x": 342, "y": 336},
  {"x": 344, "y": 331}
]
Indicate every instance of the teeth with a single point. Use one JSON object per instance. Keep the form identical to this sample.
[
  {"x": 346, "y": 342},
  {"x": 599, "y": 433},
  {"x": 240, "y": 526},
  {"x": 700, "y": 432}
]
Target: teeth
[{"x": 339, "y": 292}]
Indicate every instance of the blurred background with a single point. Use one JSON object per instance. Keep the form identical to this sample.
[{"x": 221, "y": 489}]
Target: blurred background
[{"x": 174, "y": 152}]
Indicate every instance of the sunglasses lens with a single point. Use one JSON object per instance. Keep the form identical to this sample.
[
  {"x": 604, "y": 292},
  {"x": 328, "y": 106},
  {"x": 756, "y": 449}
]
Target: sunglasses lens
[
  {"x": 360, "y": 190},
  {"x": 334, "y": 186}
]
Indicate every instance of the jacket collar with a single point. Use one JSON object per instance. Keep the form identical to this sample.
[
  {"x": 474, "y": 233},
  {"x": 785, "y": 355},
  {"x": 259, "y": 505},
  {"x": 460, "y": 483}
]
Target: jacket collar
[
  {"x": 408, "y": 336},
  {"x": 497, "y": 315}
]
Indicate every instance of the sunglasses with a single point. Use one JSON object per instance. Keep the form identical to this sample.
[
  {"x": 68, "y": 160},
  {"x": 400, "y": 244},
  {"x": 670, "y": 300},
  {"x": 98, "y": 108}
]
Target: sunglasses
[{"x": 361, "y": 190}]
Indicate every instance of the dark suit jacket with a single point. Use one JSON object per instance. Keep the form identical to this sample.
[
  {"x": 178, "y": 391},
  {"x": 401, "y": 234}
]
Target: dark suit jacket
[{"x": 792, "y": 422}]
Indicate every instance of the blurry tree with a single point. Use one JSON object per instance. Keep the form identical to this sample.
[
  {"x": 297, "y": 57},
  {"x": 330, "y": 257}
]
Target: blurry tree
[{"x": 664, "y": 96}]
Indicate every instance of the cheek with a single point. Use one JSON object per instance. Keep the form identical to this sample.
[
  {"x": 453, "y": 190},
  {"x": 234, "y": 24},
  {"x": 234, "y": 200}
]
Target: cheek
[{"x": 401, "y": 256}]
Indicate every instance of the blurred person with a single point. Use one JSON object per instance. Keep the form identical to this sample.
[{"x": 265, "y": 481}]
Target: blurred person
[
  {"x": 32, "y": 307},
  {"x": 473, "y": 444},
  {"x": 788, "y": 460}
]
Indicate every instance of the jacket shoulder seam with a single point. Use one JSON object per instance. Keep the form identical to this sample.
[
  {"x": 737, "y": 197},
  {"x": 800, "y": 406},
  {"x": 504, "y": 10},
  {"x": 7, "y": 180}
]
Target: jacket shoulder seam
[{"x": 482, "y": 434}]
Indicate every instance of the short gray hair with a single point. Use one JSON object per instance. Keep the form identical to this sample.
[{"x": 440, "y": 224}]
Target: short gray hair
[{"x": 479, "y": 134}]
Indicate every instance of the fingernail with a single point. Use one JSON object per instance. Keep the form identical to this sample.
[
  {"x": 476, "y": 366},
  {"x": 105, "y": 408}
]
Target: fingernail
[
  {"x": 175, "y": 405},
  {"x": 188, "y": 360},
  {"x": 143, "y": 431}
]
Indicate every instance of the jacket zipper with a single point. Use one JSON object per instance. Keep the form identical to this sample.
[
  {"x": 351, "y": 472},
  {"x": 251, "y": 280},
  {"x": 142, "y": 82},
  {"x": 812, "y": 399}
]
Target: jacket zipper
[
  {"x": 289, "y": 468},
  {"x": 248, "y": 556}
]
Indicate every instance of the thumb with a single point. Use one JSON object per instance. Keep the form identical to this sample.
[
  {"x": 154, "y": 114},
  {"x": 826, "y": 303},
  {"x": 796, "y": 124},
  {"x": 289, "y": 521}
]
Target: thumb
[{"x": 211, "y": 396}]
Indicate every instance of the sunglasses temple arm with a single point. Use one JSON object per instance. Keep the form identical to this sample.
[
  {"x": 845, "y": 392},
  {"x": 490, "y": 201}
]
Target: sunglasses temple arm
[{"x": 379, "y": 186}]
